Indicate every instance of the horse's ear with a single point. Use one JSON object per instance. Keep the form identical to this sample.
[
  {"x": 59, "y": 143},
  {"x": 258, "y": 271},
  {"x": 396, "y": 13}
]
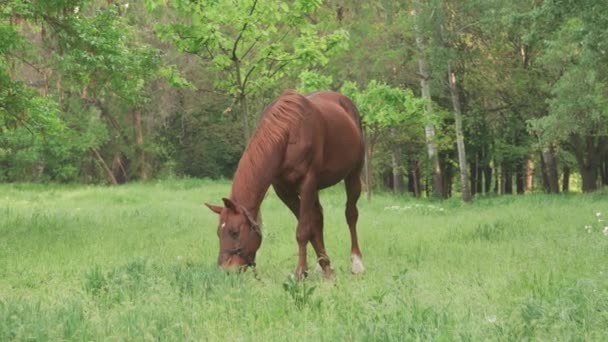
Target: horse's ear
[
  {"x": 216, "y": 209},
  {"x": 228, "y": 203}
]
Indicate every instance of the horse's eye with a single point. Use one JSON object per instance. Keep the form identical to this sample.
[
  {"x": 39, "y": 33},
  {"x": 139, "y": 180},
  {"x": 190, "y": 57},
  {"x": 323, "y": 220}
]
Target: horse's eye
[{"x": 233, "y": 232}]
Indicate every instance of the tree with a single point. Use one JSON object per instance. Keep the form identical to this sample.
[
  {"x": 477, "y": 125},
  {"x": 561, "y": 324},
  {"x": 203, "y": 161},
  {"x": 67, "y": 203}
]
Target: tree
[
  {"x": 250, "y": 44},
  {"x": 83, "y": 54},
  {"x": 382, "y": 109},
  {"x": 424, "y": 73},
  {"x": 20, "y": 105},
  {"x": 575, "y": 58},
  {"x": 462, "y": 158}
]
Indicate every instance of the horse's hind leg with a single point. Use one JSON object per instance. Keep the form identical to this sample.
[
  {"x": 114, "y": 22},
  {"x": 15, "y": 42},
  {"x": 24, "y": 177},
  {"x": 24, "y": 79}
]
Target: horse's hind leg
[
  {"x": 353, "y": 192},
  {"x": 317, "y": 241}
]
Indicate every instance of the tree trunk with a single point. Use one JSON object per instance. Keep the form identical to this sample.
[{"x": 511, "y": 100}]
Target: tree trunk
[
  {"x": 604, "y": 162},
  {"x": 119, "y": 169},
  {"x": 242, "y": 98},
  {"x": 414, "y": 178},
  {"x": 551, "y": 169},
  {"x": 368, "y": 166},
  {"x": 543, "y": 169},
  {"x": 506, "y": 179},
  {"x": 589, "y": 177},
  {"x": 139, "y": 144},
  {"x": 120, "y": 161},
  {"x": 520, "y": 177},
  {"x": 447, "y": 171},
  {"x": 105, "y": 166},
  {"x": 474, "y": 176},
  {"x": 429, "y": 130},
  {"x": 487, "y": 170},
  {"x": 566, "y": 179},
  {"x": 397, "y": 181},
  {"x": 245, "y": 112},
  {"x": 588, "y": 153},
  {"x": 487, "y": 178},
  {"x": 529, "y": 175},
  {"x": 604, "y": 170},
  {"x": 496, "y": 178},
  {"x": 477, "y": 170},
  {"x": 111, "y": 120},
  {"x": 462, "y": 158}
]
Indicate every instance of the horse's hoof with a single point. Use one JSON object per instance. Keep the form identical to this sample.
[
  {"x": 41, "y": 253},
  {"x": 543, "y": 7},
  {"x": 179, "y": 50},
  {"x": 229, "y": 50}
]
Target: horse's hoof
[
  {"x": 328, "y": 273},
  {"x": 301, "y": 274},
  {"x": 357, "y": 264}
]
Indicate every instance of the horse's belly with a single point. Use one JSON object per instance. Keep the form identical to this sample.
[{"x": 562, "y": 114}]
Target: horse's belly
[
  {"x": 325, "y": 177},
  {"x": 327, "y": 181}
]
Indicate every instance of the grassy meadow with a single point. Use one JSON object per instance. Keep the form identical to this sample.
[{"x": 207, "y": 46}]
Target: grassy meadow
[{"x": 137, "y": 262}]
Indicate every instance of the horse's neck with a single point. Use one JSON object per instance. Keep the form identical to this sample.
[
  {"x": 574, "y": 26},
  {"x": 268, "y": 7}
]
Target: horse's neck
[{"x": 253, "y": 178}]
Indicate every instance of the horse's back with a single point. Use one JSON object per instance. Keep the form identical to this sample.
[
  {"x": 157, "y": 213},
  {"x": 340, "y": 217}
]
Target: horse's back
[{"x": 327, "y": 98}]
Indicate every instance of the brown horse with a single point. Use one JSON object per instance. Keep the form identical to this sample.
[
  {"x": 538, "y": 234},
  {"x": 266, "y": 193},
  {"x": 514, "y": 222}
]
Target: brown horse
[{"x": 302, "y": 144}]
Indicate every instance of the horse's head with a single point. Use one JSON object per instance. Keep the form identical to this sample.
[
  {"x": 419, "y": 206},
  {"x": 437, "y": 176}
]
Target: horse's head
[{"x": 240, "y": 235}]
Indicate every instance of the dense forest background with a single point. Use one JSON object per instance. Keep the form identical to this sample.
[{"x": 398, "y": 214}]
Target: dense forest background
[{"x": 458, "y": 98}]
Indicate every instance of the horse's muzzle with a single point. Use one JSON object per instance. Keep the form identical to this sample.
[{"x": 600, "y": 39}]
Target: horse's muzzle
[{"x": 232, "y": 263}]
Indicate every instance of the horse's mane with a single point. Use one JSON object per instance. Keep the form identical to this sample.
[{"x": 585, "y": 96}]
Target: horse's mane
[
  {"x": 271, "y": 135},
  {"x": 275, "y": 123}
]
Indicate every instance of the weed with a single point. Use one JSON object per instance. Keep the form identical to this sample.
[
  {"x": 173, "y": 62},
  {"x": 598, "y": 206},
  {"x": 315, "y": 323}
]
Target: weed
[{"x": 298, "y": 291}]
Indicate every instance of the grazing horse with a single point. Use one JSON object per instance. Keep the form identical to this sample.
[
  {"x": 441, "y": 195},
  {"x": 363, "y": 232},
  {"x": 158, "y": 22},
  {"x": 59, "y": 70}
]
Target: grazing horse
[{"x": 303, "y": 143}]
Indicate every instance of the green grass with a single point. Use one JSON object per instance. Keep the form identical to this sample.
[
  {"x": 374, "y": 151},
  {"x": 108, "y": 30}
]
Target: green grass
[{"x": 137, "y": 262}]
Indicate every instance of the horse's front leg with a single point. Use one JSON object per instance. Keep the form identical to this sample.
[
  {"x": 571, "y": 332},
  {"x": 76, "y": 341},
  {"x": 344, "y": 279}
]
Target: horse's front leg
[{"x": 306, "y": 220}]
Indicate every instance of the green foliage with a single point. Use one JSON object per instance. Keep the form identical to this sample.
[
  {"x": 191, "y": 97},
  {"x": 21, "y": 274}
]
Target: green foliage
[
  {"x": 252, "y": 44},
  {"x": 98, "y": 53},
  {"x": 383, "y": 106},
  {"x": 89, "y": 59},
  {"x": 19, "y": 104},
  {"x": 203, "y": 145},
  {"x": 72, "y": 73},
  {"x": 311, "y": 81},
  {"x": 574, "y": 57},
  {"x": 53, "y": 156}
]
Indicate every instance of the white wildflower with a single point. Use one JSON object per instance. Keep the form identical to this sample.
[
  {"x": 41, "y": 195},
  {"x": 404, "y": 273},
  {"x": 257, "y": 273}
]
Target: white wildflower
[
  {"x": 598, "y": 214},
  {"x": 605, "y": 231},
  {"x": 491, "y": 318},
  {"x": 394, "y": 207}
]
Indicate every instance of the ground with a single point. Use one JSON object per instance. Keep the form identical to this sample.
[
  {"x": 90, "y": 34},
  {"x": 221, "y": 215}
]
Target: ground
[{"x": 138, "y": 262}]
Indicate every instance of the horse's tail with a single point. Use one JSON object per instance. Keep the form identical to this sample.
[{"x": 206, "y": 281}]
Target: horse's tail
[{"x": 351, "y": 108}]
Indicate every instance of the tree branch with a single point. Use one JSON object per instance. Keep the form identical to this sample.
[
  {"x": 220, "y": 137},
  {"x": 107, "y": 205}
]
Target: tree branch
[
  {"x": 247, "y": 76},
  {"x": 236, "y": 42},
  {"x": 250, "y": 48}
]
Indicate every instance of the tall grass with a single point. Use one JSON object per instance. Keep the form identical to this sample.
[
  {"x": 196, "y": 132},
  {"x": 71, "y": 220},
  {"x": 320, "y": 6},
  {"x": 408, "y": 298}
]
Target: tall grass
[{"x": 138, "y": 262}]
